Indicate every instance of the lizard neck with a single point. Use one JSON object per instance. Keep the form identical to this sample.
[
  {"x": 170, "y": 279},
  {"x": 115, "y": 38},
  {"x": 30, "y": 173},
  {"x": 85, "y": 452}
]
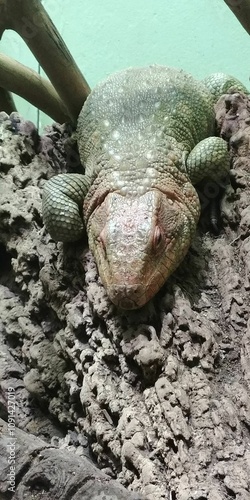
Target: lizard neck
[{"x": 133, "y": 166}]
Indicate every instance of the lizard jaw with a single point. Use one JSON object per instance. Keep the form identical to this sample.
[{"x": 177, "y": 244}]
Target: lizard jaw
[{"x": 127, "y": 296}]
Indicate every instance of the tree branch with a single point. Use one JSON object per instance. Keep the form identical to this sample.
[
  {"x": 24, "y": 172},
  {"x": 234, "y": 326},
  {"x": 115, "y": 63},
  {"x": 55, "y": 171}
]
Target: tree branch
[
  {"x": 30, "y": 20},
  {"x": 241, "y": 9},
  {"x": 6, "y": 101},
  {"x": 25, "y": 82}
]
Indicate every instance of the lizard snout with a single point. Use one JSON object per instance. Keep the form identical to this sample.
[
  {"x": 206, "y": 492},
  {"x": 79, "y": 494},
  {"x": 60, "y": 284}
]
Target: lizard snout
[{"x": 127, "y": 296}]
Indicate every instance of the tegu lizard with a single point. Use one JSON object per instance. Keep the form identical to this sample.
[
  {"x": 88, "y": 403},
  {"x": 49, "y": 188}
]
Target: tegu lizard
[{"x": 145, "y": 138}]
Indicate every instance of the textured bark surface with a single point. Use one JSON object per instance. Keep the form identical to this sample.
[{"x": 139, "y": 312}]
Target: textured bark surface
[{"x": 158, "y": 398}]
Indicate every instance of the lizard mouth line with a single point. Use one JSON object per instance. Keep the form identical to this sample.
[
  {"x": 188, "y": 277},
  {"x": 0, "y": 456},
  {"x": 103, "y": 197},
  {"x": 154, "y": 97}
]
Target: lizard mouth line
[{"x": 127, "y": 297}]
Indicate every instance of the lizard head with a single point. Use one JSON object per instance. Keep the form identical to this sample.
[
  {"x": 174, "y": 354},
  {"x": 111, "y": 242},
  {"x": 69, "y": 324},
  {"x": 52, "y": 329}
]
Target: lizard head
[{"x": 139, "y": 241}]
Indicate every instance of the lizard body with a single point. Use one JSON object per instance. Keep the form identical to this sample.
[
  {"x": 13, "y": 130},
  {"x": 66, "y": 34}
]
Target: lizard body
[{"x": 145, "y": 137}]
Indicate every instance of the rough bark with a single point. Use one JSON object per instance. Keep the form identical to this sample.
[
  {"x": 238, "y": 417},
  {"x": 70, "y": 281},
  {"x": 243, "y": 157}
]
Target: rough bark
[
  {"x": 161, "y": 395},
  {"x": 43, "y": 471}
]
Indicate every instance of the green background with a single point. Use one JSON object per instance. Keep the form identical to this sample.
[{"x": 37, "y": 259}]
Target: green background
[{"x": 200, "y": 36}]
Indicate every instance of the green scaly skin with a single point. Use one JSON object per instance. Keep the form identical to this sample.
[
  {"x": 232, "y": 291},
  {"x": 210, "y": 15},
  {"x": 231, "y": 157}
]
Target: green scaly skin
[{"x": 145, "y": 137}]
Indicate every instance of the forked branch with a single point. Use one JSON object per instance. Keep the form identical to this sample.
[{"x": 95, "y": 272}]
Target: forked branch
[
  {"x": 28, "y": 84},
  {"x": 30, "y": 20}
]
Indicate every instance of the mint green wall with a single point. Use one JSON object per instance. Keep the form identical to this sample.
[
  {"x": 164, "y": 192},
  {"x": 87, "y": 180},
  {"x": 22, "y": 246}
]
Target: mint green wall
[{"x": 200, "y": 36}]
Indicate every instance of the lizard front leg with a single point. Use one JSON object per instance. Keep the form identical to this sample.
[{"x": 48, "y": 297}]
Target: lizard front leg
[
  {"x": 63, "y": 197},
  {"x": 209, "y": 159},
  {"x": 220, "y": 83}
]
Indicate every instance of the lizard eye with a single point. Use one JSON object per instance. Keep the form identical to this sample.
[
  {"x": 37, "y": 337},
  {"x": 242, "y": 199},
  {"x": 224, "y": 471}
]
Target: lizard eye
[{"x": 157, "y": 238}]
